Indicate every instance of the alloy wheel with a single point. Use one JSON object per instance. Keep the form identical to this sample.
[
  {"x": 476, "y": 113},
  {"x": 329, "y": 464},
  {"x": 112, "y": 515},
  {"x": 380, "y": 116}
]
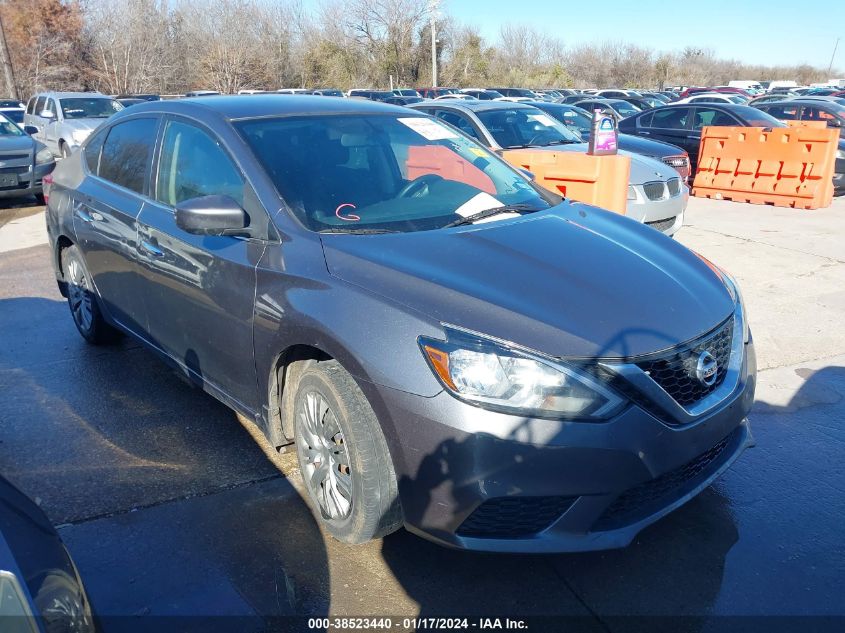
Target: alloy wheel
[
  {"x": 324, "y": 457},
  {"x": 79, "y": 296}
]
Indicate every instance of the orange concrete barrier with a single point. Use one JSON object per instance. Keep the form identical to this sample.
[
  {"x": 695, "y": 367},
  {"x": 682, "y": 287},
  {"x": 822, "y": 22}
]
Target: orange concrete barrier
[
  {"x": 816, "y": 124},
  {"x": 598, "y": 180},
  {"x": 786, "y": 167},
  {"x": 439, "y": 160}
]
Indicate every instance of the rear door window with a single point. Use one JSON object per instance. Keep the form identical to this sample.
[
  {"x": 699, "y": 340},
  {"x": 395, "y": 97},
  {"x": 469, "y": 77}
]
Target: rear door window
[
  {"x": 193, "y": 164},
  {"x": 670, "y": 119},
  {"x": 709, "y": 116},
  {"x": 30, "y": 107},
  {"x": 459, "y": 121},
  {"x": 815, "y": 113},
  {"x": 783, "y": 111},
  {"x": 92, "y": 150},
  {"x": 127, "y": 152},
  {"x": 39, "y": 105}
]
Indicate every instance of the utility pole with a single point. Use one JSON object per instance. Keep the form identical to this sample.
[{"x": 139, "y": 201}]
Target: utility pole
[
  {"x": 830, "y": 66},
  {"x": 6, "y": 60},
  {"x": 432, "y": 7}
]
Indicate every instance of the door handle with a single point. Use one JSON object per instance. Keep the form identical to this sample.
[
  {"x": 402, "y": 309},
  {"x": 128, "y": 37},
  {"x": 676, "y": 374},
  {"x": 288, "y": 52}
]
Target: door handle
[
  {"x": 645, "y": 133},
  {"x": 150, "y": 249},
  {"x": 80, "y": 211}
]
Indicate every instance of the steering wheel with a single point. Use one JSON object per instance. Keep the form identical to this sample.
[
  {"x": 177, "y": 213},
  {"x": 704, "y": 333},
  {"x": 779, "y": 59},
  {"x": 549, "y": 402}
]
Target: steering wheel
[{"x": 416, "y": 185}]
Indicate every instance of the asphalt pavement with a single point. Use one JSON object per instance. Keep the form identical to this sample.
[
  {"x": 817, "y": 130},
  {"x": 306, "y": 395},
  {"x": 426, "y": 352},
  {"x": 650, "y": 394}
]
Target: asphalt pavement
[{"x": 173, "y": 506}]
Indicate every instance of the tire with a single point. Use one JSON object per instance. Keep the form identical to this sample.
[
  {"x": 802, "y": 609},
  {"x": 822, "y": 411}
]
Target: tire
[
  {"x": 64, "y": 149},
  {"x": 39, "y": 198},
  {"x": 84, "y": 308},
  {"x": 343, "y": 456}
]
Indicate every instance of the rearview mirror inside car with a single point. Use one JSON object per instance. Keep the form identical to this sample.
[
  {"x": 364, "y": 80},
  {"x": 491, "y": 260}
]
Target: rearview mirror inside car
[{"x": 212, "y": 215}]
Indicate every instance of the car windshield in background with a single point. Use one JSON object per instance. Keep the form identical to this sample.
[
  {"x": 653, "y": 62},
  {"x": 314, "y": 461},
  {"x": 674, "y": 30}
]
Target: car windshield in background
[
  {"x": 10, "y": 103},
  {"x": 7, "y": 128},
  {"x": 331, "y": 93},
  {"x": 372, "y": 173},
  {"x": 624, "y": 108},
  {"x": 575, "y": 119},
  {"x": 525, "y": 127},
  {"x": 89, "y": 108}
]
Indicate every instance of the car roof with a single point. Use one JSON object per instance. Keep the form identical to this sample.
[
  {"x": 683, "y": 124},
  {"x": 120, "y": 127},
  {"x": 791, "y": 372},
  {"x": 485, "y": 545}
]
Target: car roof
[
  {"x": 234, "y": 107},
  {"x": 69, "y": 95},
  {"x": 477, "y": 106}
]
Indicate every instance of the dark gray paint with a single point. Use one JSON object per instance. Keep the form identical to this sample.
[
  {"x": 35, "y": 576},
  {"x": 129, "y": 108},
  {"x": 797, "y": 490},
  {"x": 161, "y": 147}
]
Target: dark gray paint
[{"x": 573, "y": 281}]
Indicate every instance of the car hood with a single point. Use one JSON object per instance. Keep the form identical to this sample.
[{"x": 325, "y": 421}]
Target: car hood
[
  {"x": 87, "y": 125},
  {"x": 16, "y": 143},
  {"x": 574, "y": 281},
  {"x": 643, "y": 168}
]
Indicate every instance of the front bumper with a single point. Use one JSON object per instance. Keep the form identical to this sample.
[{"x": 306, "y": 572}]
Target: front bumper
[
  {"x": 29, "y": 181},
  {"x": 476, "y": 479},
  {"x": 665, "y": 215}
]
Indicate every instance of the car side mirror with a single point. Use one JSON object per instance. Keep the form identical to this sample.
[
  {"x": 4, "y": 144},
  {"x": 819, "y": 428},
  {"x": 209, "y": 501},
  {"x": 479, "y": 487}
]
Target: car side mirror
[
  {"x": 30, "y": 129},
  {"x": 47, "y": 114},
  {"x": 212, "y": 215}
]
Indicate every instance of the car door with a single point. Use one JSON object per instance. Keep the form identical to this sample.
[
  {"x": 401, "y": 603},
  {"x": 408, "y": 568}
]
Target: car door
[
  {"x": 106, "y": 206},
  {"x": 51, "y": 126},
  {"x": 783, "y": 111},
  {"x": 36, "y": 120},
  {"x": 672, "y": 126},
  {"x": 201, "y": 287},
  {"x": 701, "y": 117}
]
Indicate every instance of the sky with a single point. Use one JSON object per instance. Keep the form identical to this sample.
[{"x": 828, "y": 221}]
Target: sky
[{"x": 771, "y": 32}]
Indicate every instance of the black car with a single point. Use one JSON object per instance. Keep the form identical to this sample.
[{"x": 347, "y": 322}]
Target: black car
[
  {"x": 144, "y": 97},
  {"x": 482, "y": 95},
  {"x": 40, "y": 589},
  {"x": 660, "y": 96},
  {"x": 644, "y": 103},
  {"x": 681, "y": 124},
  {"x": 579, "y": 120},
  {"x": 831, "y": 112},
  {"x": 327, "y": 92},
  {"x": 617, "y": 107},
  {"x": 403, "y": 101},
  {"x": 372, "y": 95},
  {"x": 517, "y": 92}
]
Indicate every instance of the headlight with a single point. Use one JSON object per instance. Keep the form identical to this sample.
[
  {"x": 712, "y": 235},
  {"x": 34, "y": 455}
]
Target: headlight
[
  {"x": 497, "y": 376},
  {"x": 79, "y": 135},
  {"x": 632, "y": 193},
  {"x": 43, "y": 156}
]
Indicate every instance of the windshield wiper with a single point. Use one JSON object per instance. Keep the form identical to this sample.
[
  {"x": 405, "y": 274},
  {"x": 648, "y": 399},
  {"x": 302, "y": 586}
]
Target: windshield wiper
[
  {"x": 487, "y": 213},
  {"x": 357, "y": 231}
]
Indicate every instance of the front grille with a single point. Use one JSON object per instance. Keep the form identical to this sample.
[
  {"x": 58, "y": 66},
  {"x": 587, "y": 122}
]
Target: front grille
[
  {"x": 675, "y": 371},
  {"x": 662, "y": 225},
  {"x": 674, "y": 186},
  {"x": 646, "y": 498},
  {"x": 654, "y": 190},
  {"x": 5, "y": 157},
  {"x": 679, "y": 164},
  {"x": 508, "y": 517}
]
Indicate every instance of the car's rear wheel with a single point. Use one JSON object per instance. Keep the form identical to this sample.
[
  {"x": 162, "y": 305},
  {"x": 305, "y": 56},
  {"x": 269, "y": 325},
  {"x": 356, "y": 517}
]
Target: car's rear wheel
[
  {"x": 343, "y": 456},
  {"x": 39, "y": 198},
  {"x": 81, "y": 299}
]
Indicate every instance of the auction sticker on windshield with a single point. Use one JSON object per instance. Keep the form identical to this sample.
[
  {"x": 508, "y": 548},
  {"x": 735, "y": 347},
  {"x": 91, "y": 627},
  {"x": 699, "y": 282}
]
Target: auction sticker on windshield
[
  {"x": 428, "y": 128},
  {"x": 542, "y": 119}
]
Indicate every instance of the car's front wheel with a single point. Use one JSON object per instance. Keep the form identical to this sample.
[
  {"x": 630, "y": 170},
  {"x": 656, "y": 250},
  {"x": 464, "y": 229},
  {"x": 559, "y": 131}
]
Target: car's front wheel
[
  {"x": 343, "y": 456},
  {"x": 83, "y": 303}
]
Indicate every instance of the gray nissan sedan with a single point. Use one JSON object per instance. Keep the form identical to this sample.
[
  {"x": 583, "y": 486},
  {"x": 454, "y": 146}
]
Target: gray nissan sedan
[{"x": 448, "y": 346}]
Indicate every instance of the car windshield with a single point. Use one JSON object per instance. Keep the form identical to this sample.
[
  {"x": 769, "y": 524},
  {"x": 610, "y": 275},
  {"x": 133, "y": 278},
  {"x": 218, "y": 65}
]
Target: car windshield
[
  {"x": 525, "y": 127},
  {"x": 7, "y": 128},
  {"x": 575, "y": 119},
  {"x": 372, "y": 173},
  {"x": 624, "y": 108},
  {"x": 89, "y": 107}
]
